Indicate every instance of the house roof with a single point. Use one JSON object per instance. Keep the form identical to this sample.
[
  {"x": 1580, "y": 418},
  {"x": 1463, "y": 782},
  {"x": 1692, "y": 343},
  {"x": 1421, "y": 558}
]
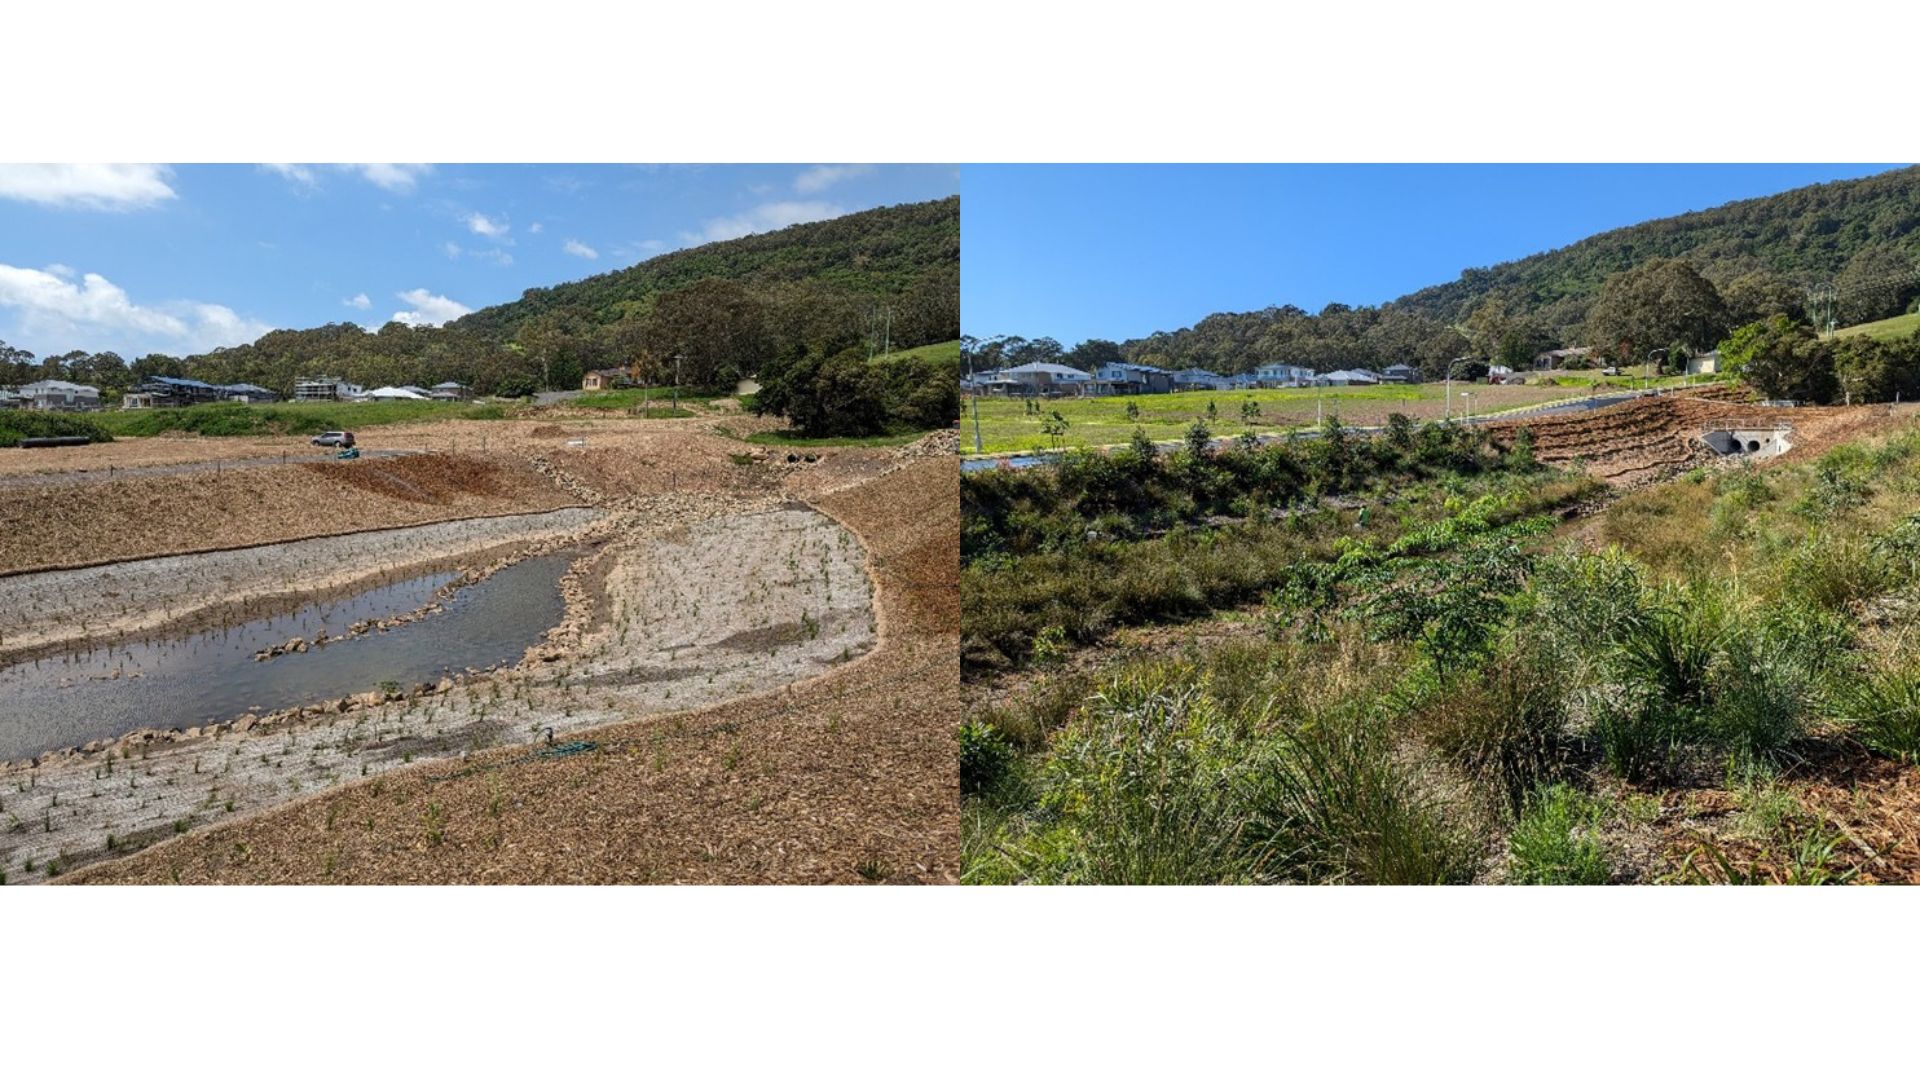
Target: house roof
[
  {"x": 57, "y": 384},
  {"x": 1040, "y": 367},
  {"x": 396, "y": 392},
  {"x": 449, "y": 385}
]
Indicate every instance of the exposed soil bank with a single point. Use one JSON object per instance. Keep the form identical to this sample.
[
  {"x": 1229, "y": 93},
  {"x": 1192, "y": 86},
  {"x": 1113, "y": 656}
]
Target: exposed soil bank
[
  {"x": 82, "y": 524},
  {"x": 52, "y": 612}
]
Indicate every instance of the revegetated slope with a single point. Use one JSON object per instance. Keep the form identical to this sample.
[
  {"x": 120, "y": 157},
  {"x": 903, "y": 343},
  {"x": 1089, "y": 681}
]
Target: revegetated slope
[{"x": 850, "y": 777}]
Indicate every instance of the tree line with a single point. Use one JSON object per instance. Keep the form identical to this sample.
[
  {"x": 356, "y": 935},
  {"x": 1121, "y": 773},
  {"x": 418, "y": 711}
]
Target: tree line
[{"x": 1677, "y": 284}]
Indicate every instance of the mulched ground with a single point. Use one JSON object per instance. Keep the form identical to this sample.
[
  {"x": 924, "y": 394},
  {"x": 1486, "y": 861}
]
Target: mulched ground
[{"x": 850, "y": 778}]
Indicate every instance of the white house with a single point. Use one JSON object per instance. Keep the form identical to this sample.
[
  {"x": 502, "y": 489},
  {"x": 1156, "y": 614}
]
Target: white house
[
  {"x": 1040, "y": 377},
  {"x": 395, "y": 393},
  {"x": 1352, "y": 377},
  {"x": 55, "y": 395},
  {"x": 1200, "y": 379},
  {"x": 326, "y": 388},
  {"x": 1284, "y": 375},
  {"x": 1705, "y": 364}
]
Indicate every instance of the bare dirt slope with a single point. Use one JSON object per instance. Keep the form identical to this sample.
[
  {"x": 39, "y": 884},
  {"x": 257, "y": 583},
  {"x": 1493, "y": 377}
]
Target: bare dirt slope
[
  {"x": 1652, "y": 438},
  {"x": 66, "y": 525},
  {"x": 845, "y": 778}
]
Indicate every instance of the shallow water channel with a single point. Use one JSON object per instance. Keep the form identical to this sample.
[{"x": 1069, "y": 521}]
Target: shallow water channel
[{"x": 211, "y": 676}]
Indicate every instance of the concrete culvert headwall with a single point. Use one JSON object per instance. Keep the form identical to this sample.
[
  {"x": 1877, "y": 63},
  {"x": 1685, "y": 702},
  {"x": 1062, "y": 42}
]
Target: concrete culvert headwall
[{"x": 1749, "y": 442}]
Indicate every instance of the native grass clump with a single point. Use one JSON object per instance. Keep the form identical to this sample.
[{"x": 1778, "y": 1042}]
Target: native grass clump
[{"x": 1433, "y": 681}]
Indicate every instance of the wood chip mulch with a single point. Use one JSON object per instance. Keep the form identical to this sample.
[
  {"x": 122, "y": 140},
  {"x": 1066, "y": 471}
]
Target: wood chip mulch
[{"x": 851, "y": 777}]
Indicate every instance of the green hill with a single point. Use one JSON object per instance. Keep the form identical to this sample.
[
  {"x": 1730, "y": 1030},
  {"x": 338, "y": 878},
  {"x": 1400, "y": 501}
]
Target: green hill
[
  {"x": 1849, "y": 232},
  {"x": 720, "y": 309},
  {"x": 1898, "y": 328},
  {"x": 884, "y": 253},
  {"x": 1762, "y": 256}
]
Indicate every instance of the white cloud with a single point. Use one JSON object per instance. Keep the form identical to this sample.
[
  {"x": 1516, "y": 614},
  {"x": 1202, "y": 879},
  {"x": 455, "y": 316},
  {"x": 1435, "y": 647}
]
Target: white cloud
[
  {"x": 452, "y": 249},
  {"x": 92, "y": 312},
  {"x": 429, "y": 309},
  {"x": 496, "y": 256},
  {"x": 535, "y": 228},
  {"x": 575, "y": 247},
  {"x": 360, "y": 302},
  {"x": 486, "y": 226},
  {"x": 91, "y": 187},
  {"x": 397, "y": 178},
  {"x": 821, "y": 177},
  {"x": 763, "y": 218}
]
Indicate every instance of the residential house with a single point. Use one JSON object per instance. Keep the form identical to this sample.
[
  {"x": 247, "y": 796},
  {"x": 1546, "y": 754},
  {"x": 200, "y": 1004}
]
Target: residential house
[
  {"x": 1043, "y": 379},
  {"x": 1200, "y": 379},
  {"x": 606, "y": 379},
  {"x": 1352, "y": 377},
  {"x": 11, "y": 400},
  {"x": 396, "y": 393},
  {"x": 56, "y": 395},
  {"x": 1284, "y": 375},
  {"x": 1123, "y": 378},
  {"x": 450, "y": 391},
  {"x": 1555, "y": 359},
  {"x": 1705, "y": 364},
  {"x": 327, "y": 388},
  {"x": 1400, "y": 373}
]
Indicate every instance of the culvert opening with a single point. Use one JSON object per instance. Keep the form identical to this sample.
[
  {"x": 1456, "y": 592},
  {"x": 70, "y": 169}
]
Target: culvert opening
[{"x": 1757, "y": 443}]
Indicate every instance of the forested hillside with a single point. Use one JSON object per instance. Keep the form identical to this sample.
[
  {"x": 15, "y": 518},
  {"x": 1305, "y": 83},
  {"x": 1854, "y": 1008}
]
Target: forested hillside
[
  {"x": 714, "y": 313},
  {"x": 1683, "y": 281}
]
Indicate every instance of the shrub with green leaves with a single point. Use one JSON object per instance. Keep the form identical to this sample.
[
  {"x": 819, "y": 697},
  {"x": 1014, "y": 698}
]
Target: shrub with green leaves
[
  {"x": 1555, "y": 842},
  {"x": 986, "y": 758},
  {"x": 1882, "y": 710}
]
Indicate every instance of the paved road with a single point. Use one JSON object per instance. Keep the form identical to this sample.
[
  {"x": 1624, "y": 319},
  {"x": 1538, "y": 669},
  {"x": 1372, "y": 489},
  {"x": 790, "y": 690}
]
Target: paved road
[{"x": 116, "y": 472}]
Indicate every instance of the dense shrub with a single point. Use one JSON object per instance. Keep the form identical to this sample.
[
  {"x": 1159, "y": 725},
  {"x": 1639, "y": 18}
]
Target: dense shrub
[
  {"x": 18, "y": 424},
  {"x": 986, "y": 758}
]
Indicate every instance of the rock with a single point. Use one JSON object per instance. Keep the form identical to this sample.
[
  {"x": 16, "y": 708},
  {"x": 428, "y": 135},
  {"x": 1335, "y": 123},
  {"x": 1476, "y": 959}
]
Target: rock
[
  {"x": 245, "y": 723},
  {"x": 302, "y": 647},
  {"x": 191, "y": 733},
  {"x": 343, "y": 704}
]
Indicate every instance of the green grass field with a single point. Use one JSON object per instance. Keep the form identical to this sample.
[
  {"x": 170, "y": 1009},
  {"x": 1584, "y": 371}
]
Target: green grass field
[
  {"x": 1005, "y": 424},
  {"x": 656, "y": 398},
  {"x": 292, "y": 418},
  {"x": 786, "y": 438},
  {"x": 944, "y": 350},
  {"x": 1898, "y": 328}
]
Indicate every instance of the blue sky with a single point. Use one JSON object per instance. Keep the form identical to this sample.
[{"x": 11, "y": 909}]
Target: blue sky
[
  {"x": 144, "y": 258},
  {"x": 1080, "y": 251}
]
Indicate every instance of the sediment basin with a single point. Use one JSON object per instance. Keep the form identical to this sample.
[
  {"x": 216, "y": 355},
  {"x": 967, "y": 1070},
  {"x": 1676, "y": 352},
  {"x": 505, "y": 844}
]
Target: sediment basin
[{"x": 178, "y": 682}]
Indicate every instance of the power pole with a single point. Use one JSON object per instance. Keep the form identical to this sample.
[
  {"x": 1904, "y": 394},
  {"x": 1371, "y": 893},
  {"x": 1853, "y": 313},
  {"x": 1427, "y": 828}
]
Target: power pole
[
  {"x": 676, "y": 381},
  {"x": 886, "y": 350}
]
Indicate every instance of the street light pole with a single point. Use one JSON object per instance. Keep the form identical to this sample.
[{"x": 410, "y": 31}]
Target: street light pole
[
  {"x": 974, "y": 397},
  {"x": 1456, "y": 362}
]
